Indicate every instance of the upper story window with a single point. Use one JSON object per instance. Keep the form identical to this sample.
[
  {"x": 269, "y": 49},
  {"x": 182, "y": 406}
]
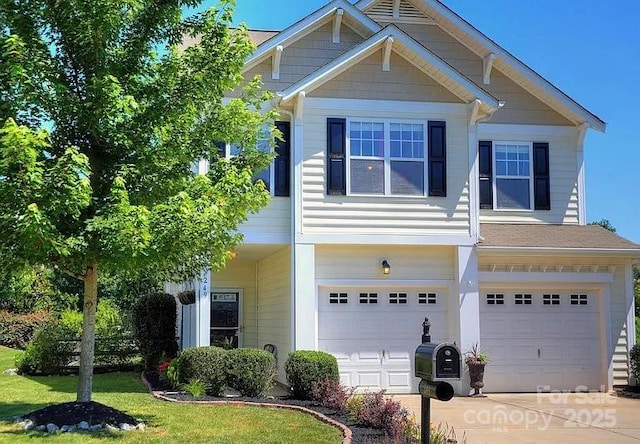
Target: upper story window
[
  {"x": 513, "y": 184},
  {"x": 386, "y": 157},
  {"x": 514, "y": 176},
  {"x": 276, "y": 176}
]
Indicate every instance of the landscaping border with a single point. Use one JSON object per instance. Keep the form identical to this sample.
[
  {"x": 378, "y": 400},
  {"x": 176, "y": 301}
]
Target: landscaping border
[{"x": 346, "y": 432}]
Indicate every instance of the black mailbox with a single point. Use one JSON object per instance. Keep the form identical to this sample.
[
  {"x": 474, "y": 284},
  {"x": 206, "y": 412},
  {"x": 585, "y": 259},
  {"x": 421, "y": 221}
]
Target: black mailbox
[{"x": 438, "y": 362}]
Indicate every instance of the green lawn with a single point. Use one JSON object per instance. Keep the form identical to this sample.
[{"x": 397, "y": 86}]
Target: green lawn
[{"x": 166, "y": 421}]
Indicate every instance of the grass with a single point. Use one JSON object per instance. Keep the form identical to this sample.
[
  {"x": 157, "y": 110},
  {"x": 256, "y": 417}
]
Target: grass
[{"x": 166, "y": 421}]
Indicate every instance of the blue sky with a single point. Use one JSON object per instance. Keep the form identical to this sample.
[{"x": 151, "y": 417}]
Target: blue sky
[{"x": 589, "y": 49}]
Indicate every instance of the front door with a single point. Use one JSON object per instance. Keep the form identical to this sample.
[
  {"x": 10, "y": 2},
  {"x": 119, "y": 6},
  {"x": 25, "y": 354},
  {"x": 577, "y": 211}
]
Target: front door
[{"x": 225, "y": 316}]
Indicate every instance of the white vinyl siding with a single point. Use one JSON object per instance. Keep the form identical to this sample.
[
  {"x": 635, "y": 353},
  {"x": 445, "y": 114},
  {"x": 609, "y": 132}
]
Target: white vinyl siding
[
  {"x": 403, "y": 215},
  {"x": 274, "y": 305},
  {"x": 563, "y": 175}
]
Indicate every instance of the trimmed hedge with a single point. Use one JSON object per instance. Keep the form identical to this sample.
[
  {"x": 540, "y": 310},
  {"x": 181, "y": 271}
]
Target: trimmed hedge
[
  {"x": 250, "y": 371},
  {"x": 206, "y": 364},
  {"x": 16, "y": 329},
  {"x": 49, "y": 351},
  {"x": 154, "y": 327},
  {"x": 306, "y": 367}
]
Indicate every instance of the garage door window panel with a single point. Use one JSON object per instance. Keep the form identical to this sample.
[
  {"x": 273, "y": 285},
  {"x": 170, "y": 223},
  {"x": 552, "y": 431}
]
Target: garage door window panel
[
  {"x": 495, "y": 299},
  {"x": 551, "y": 299},
  {"x": 427, "y": 298},
  {"x": 338, "y": 298},
  {"x": 368, "y": 298},
  {"x": 523, "y": 299},
  {"x": 397, "y": 298},
  {"x": 579, "y": 299}
]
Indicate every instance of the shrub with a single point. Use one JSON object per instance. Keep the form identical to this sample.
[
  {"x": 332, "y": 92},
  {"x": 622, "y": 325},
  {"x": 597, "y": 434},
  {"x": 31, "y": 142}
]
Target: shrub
[
  {"x": 634, "y": 358},
  {"x": 48, "y": 352},
  {"x": 16, "y": 330},
  {"x": 250, "y": 371},
  {"x": 195, "y": 387},
  {"x": 373, "y": 410},
  {"x": 331, "y": 394},
  {"x": 154, "y": 326},
  {"x": 304, "y": 367},
  {"x": 207, "y": 364},
  {"x": 173, "y": 372}
]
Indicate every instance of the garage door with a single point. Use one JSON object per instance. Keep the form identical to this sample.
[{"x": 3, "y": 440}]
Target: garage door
[
  {"x": 374, "y": 333},
  {"x": 540, "y": 341}
]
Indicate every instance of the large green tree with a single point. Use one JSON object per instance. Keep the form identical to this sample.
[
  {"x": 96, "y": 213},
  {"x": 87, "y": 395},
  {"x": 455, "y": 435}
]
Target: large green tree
[{"x": 103, "y": 114}]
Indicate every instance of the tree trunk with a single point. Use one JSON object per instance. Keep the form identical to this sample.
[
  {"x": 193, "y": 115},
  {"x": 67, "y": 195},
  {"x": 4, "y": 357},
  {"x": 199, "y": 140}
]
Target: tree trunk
[{"x": 87, "y": 345}]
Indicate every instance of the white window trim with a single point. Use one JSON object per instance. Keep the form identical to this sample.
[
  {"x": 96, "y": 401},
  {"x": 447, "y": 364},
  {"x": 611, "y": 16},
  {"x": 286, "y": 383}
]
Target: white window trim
[
  {"x": 495, "y": 177},
  {"x": 387, "y": 157}
]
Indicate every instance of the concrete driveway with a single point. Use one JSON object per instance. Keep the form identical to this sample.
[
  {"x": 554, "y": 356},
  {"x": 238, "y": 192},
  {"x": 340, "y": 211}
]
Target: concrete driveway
[{"x": 537, "y": 418}]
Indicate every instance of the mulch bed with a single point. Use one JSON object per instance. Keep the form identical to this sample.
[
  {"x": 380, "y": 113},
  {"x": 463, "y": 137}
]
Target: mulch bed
[
  {"x": 628, "y": 391},
  {"x": 75, "y": 412},
  {"x": 359, "y": 434}
]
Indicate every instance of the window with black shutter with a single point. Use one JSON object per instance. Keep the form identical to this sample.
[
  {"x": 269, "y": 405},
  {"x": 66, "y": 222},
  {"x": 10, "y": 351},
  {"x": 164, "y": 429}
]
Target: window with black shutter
[
  {"x": 282, "y": 164},
  {"x": 336, "y": 147},
  {"x": 437, "y": 158}
]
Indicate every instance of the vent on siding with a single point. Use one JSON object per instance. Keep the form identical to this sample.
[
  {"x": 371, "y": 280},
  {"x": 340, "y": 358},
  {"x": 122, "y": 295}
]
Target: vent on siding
[
  {"x": 523, "y": 299},
  {"x": 368, "y": 298},
  {"x": 397, "y": 298},
  {"x": 407, "y": 12},
  {"x": 550, "y": 299},
  {"x": 579, "y": 299},
  {"x": 338, "y": 298},
  {"x": 427, "y": 298},
  {"x": 495, "y": 299}
]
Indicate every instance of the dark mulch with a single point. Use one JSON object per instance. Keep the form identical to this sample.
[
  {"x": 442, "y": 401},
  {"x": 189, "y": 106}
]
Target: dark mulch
[
  {"x": 360, "y": 435},
  {"x": 628, "y": 391},
  {"x": 70, "y": 413}
]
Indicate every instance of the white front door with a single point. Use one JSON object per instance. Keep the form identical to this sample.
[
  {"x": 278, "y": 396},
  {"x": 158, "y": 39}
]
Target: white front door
[
  {"x": 540, "y": 340},
  {"x": 374, "y": 332}
]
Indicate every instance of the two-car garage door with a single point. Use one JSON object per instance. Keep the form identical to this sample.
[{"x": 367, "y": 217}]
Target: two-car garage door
[
  {"x": 541, "y": 340},
  {"x": 374, "y": 332}
]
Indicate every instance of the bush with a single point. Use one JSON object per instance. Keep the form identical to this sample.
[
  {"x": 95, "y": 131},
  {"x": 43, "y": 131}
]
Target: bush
[
  {"x": 305, "y": 367},
  {"x": 154, "y": 327},
  {"x": 17, "y": 330},
  {"x": 250, "y": 371},
  {"x": 206, "y": 364},
  {"x": 49, "y": 351},
  {"x": 634, "y": 358},
  {"x": 331, "y": 394},
  {"x": 373, "y": 410}
]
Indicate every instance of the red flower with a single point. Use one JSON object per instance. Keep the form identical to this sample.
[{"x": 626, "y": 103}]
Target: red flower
[{"x": 163, "y": 367}]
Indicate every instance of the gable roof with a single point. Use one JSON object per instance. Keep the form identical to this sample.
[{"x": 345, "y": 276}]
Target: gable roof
[
  {"x": 308, "y": 24},
  {"x": 511, "y": 66},
  {"x": 413, "y": 52},
  {"x": 553, "y": 237}
]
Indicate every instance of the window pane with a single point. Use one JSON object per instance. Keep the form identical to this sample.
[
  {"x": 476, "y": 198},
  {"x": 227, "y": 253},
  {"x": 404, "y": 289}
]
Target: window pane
[
  {"x": 378, "y": 148},
  {"x": 407, "y": 150},
  {"x": 367, "y": 176},
  {"x": 513, "y": 194},
  {"x": 356, "y": 147},
  {"x": 418, "y": 150},
  {"x": 407, "y": 178},
  {"x": 396, "y": 149},
  {"x": 501, "y": 168},
  {"x": 264, "y": 176},
  {"x": 367, "y": 148}
]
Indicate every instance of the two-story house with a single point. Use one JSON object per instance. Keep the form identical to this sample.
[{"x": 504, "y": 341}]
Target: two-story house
[{"x": 425, "y": 172}]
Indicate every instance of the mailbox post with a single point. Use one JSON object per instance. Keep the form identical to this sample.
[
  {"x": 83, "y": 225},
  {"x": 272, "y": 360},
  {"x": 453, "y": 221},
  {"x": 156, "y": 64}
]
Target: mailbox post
[{"x": 436, "y": 365}]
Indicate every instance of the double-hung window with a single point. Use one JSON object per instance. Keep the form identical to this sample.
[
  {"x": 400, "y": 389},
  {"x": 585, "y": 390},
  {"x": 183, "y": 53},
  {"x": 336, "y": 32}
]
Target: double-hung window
[
  {"x": 513, "y": 175},
  {"x": 263, "y": 144},
  {"x": 386, "y": 157}
]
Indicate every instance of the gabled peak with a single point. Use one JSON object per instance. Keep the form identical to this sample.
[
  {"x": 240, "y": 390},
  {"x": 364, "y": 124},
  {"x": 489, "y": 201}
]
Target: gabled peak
[{"x": 395, "y": 11}]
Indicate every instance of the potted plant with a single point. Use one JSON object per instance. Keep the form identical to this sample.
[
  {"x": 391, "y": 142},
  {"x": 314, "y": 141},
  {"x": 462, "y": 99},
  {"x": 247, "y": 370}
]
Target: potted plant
[{"x": 476, "y": 360}]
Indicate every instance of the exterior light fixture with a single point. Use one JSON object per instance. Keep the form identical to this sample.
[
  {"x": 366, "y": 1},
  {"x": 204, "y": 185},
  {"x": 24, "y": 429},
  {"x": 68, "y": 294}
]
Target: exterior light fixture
[{"x": 386, "y": 268}]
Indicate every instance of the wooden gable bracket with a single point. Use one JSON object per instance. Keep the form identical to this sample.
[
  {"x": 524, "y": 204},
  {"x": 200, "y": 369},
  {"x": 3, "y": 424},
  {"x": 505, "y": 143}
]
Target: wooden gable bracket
[
  {"x": 299, "y": 107},
  {"x": 474, "y": 112},
  {"x": 275, "y": 62},
  {"x": 487, "y": 64},
  {"x": 337, "y": 22},
  {"x": 386, "y": 55}
]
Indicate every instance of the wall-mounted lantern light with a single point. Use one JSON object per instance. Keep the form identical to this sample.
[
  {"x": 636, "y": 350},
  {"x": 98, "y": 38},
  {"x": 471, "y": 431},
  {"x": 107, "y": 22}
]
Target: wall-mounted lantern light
[{"x": 386, "y": 268}]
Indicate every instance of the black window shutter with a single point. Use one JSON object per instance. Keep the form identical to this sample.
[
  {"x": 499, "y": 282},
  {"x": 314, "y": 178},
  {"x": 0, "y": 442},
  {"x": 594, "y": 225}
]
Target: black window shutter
[
  {"x": 437, "y": 139},
  {"x": 281, "y": 163},
  {"x": 485, "y": 167},
  {"x": 336, "y": 147},
  {"x": 541, "y": 191}
]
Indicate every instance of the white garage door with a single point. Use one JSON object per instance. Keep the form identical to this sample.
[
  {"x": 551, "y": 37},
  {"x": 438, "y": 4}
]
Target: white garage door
[
  {"x": 540, "y": 341},
  {"x": 374, "y": 332}
]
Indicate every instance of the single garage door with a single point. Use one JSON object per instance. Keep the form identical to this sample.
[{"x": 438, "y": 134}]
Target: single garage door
[
  {"x": 374, "y": 332},
  {"x": 540, "y": 341}
]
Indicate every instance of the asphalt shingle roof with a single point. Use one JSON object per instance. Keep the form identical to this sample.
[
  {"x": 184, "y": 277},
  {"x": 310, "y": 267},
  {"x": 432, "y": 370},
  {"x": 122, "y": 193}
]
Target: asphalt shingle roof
[{"x": 589, "y": 237}]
